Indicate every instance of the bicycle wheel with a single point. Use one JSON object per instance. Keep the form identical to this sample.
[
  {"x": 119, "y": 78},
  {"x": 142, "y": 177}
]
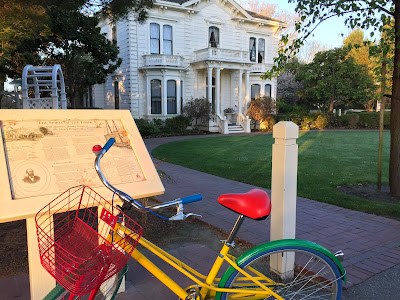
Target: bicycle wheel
[{"x": 291, "y": 272}]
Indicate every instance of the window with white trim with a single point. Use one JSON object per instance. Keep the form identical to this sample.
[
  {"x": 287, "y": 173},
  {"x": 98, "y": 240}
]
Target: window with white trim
[
  {"x": 116, "y": 95},
  {"x": 171, "y": 97},
  {"x": 167, "y": 39},
  {"x": 268, "y": 90},
  {"x": 154, "y": 38},
  {"x": 261, "y": 50},
  {"x": 213, "y": 36},
  {"x": 252, "y": 49},
  {"x": 155, "y": 96},
  {"x": 255, "y": 91}
]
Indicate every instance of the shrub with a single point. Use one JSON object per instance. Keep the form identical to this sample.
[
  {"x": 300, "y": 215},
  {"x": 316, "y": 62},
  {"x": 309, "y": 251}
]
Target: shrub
[
  {"x": 197, "y": 110},
  {"x": 177, "y": 125},
  {"x": 322, "y": 121},
  {"x": 306, "y": 123},
  {"x": 344, "y": 120},
  {"x": 228, "y": 110},
  {"x": 268, "y": 124},
  {"x": 147, "y": 128},
  {"x": 261, "y": 108},
  {"x": 353, "y": 120}
]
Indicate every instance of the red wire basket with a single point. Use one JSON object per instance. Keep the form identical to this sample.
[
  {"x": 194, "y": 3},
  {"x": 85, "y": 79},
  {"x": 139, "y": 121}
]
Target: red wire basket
[{"x": 76, "y": 240}]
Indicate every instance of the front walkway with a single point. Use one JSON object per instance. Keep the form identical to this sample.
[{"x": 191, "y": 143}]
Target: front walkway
[{"x": 371, "y": 243}]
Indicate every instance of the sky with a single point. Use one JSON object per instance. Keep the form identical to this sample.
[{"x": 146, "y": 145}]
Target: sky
[{"x": 328, "y": 33}]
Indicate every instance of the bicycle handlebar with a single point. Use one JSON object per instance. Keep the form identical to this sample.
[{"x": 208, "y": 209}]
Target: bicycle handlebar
[
  {"x": 125, "y": 197},
  {"x": 193, "y": 198},
  {"x": 109, "y": 144}
]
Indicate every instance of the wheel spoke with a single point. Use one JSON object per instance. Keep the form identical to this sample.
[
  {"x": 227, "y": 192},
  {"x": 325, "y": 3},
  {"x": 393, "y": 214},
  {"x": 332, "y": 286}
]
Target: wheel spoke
[{"x": 295, "y": 274}]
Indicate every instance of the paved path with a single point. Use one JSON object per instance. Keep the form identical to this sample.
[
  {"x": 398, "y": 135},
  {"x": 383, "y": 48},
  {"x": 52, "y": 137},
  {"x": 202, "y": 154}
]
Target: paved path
[{"x": 371, "y": 243}]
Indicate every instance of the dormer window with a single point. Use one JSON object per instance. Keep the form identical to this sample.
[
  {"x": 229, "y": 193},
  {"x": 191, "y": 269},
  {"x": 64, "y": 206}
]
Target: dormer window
[
  {"x": 252, "y": 49},
  {"x": 154, "y": 38},
  {"x": 213, "y": 36},
  {"x": 261, "y": 50}
]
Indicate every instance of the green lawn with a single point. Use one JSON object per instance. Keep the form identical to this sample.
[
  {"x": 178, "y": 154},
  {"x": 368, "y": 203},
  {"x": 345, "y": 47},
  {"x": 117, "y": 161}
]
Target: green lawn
[{"x": 326, "y": 160}]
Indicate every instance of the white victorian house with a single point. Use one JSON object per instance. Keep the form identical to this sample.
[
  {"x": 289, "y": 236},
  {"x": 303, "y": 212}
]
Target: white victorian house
[{"x": 192, "y": 49}]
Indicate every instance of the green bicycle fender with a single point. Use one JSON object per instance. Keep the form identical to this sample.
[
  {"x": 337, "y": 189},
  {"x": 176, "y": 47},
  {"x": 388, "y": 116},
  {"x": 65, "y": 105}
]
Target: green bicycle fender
[
  {"x": 58, "y": 290},
  {"x": 54, "y": 293},
  {"x": 280, "y": 244}
]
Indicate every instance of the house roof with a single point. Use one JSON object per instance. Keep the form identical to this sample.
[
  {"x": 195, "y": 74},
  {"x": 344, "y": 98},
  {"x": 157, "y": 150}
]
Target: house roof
[
  {"x": 177, "y": 1},
  {"x": 248, "y": 12},
  {"x": 258, "y": 16}
]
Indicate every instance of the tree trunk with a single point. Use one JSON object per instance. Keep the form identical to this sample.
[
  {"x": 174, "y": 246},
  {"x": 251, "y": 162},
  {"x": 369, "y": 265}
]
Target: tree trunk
[
  {"x": 394, "y": 166},
  {"x": 331, "y": 105}
]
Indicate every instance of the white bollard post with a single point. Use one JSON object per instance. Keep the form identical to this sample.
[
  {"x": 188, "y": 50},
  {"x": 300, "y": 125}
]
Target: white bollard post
[
  {"x": 284, "y": 192},
  {"x": 284, "y": 181}
]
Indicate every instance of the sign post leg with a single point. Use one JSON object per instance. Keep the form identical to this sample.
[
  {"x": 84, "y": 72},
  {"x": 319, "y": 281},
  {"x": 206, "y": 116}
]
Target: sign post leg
[{"x": 41, "y": 282}]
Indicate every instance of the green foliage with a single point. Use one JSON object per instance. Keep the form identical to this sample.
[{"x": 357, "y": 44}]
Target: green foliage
[
  {"x": 307, "y": 122},
  {"x": 268, "y": 124},
  {"x": 261, "y": 108},
  {"x": 368, "y": 120},
  {"x": 197, "y": 110},
  {"x": 147, "y": 128},
  {"x": 177, "y": 125},
  {"x": 353, "y": 120},
  {"x": 46, "y": 32},
  {"x": 157, "y": 127},
  {"x": 334, "y": 78},
  {"x": 326, "y": 160},
  {"x": 322, "y": 121}
]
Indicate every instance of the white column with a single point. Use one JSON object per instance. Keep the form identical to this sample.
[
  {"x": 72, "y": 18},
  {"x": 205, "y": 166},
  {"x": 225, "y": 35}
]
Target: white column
[
  {"x": 283, "y": 193},
  {"x": 163, "y": 94},
  {"x": 284, "y": 181},
  {"x": 247, "y": 98},
  {"x": 240, "y": 91},
  {"x": 217, "y": 90},
  {"x": 209, "y": 82},
  {"x": 178, "y": 95},
  {"x": 148, "y": 94},
  {"x": 41, "y": 282}
]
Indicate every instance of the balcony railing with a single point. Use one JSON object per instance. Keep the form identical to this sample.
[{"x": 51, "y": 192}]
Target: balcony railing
[
  {"x": 163, "y": 60},
  {"x": 260, "y": 68},
  {"x": 221, "y": 54}
]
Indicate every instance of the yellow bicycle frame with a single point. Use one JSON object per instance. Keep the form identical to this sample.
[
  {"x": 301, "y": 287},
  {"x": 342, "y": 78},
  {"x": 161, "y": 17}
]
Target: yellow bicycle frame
[{"x": 208, "y": 284}]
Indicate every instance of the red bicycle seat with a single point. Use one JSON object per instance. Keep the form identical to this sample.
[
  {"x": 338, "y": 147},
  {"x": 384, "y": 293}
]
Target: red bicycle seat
[{"x": 254, "y": 204}]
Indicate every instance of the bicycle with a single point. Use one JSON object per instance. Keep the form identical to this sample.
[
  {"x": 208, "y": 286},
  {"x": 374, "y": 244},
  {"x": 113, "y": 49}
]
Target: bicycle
[{"x": 283, "y": 269}]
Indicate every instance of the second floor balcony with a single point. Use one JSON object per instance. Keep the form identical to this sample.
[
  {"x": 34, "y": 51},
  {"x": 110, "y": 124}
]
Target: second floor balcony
[
  {"x": 228, "y": 55},
  {"x": 153, "y": 60}
]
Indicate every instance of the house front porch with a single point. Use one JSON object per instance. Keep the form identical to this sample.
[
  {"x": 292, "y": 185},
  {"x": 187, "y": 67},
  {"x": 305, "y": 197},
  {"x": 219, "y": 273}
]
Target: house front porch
[{"x": 226, "y": 86}]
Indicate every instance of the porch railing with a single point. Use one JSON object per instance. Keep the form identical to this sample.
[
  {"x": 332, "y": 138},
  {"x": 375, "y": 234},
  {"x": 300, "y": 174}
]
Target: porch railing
[
  {"x": 222, "y": 123},
  {"x": 244, "y": 122},
  {"x": 163, "y": 60},
  {"x": 213, "y": 53}
]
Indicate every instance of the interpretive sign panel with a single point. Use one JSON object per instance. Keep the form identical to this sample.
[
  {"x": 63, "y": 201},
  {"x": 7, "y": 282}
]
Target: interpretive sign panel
[{"x": 44, "y": 152}]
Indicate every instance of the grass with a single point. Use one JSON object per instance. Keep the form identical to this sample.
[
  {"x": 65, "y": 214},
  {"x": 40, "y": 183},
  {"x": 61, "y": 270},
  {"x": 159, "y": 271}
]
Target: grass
[{"x": 326, "y": 160}]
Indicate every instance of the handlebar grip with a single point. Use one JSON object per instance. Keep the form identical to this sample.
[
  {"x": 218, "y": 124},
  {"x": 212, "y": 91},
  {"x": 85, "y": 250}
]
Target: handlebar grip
[
  {"x": 193, "y": 198},
  {"x": 109, "y": 143}
]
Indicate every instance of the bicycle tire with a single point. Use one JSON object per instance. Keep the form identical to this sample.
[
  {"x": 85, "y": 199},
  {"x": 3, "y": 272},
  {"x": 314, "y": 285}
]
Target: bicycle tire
[{"x": 313, "y": 273}]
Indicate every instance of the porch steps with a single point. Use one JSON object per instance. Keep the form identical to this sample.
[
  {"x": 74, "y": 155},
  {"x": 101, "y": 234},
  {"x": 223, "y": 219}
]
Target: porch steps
[{"x": 235, "y": 129}]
